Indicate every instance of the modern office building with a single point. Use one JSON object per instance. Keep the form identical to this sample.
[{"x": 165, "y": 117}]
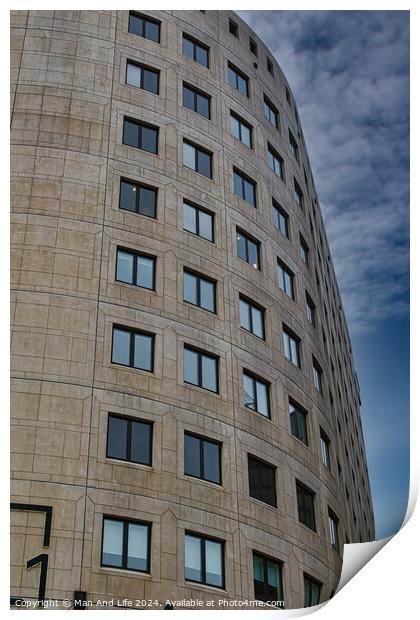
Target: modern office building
[{"x": 185, "y": 408}]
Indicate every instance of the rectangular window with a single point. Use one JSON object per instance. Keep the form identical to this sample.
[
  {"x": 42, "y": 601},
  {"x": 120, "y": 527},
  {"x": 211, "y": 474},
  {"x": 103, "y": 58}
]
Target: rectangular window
[
  {"x": 240, "y": 129},
  {"x": 325, "y": 449},
  {"x": 199, "y": 291},
  {"x": 288, "y": 96},
  {"x": 248, "y": 249},
  {"x": 275, "y": 162},
  {"x": 306, "y": 505},
  {"x": 132, "y": 348},
  {"x": 142, "y": 77},
  {"x": 202, "y": 458},
  {"x": 262, "y": 481},
  {"x": 280, "y": 218},
  {"x": 267, "y": 579},
  {"x": 195, "y": 50},
  {"x": 253, "y": 47},
  {"x": 138, "y": 198},
  {"x": 244, "y": 187},
  {"x": 304, "y": 250},
  {"x": 293, "y": 146},
  {"x": 270, "y": 67},
  {"x": 233, "y": 28},
  {"x": 317, "y": 375},
  {"x": 197, "y": 159},
  {"x": 291, "y": 347},
  {"x": 143, "y": 26},
  {"x": 134, "y": 268},
  {"x": 238, "y": 80},
  {"x": 140, "y": 135},
  {"x": 312, "y": 591},
  {"x": 198, "y": 221},
  {"x": 196, "y": 100},
  {"x": 256, "y": 394},
  {"x": 298, "y": 423},
  {"x": 310, "y": 309},
  {"x": 333, "y": 529},
  {"x": 201, "y": 369},
  {"x": 126, "y": 544},
  {"x": 252, "y": 317},
  {"x": 298, "y": 195},
  {"x": 285, "y": 279},
  {"x": 270, "y": 112},
  {"x": 204, "y": 560},
  {"x": 129, "y": 440}
]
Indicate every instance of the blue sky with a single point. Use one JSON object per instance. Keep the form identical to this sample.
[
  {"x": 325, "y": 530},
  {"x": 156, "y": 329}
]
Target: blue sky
[{"x": 349, "y": 73}]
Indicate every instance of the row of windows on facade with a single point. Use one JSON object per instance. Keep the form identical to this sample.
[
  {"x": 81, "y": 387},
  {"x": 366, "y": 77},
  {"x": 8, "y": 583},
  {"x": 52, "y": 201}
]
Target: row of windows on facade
[
  {"x": 200, "y": 102},
  {"x": 145, "y": 137},
  {"x": 147, "y": 78},
  {"x": 126, "y": 544},
  {"x": 197, "y": 51}
]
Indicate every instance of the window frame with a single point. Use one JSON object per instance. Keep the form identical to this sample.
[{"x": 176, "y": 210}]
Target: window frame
[
  {"x": 266, "y": 559},
  {"x": 273, "y": 468},
  {"x": 252, "y": 305},
  {"x": 333, "y": 530},
  {"x": 130, "y": 421},
  {"x": 241, "y": 122},
  {"x": 297, "y": 409},
  {"x": 238, "y": 73},
  {"x": 203, "y": 538},
  {"x": 245, "y": 178},
  {"x": 142, "y": 68},
  {"x": 201, "y": 354},
  {"x": 325, "y": 444},
  {"x": 256, "y": 379},
  {"x": 317, "y": 372},
  {"x": 126, "y": 522},
  {"x": 308, "y": 493},
  {"x": 197, "y": 149},
  {"x": 133, "y": 332},
  {"x": 248, "y": 239},
  {"x": 280, "y": 212},
  {"x": 233, "y": 28},
  {"x": 292, "y": 336},
  {"x": 203, "y": 440},
  {"x": 253, "y": 47},
  {"x": 199, "y": 277},
  {"x": 310, "y": 309},
  {"x": 270, "y": 66},
  {"x": 293, "y": 146},
  {"x": 198, "y": 209},
  {"x": 283, "y": 270},
  {"x": 141, "y": 125},
  {"x": 274, "y": 111},
  {"x": 275, "y": 157},
  {"x": 139, "y": 186},
  {"x": 196, "y": 91},
  {"x": 311, "y": 581},
  {"x": 298, "y": 194},
  {"x": 144, "y": 18},
  {"x": 303, "y": 250},
  {"x": 196, "y": 43},
  {"x": 135, "y": 254}
]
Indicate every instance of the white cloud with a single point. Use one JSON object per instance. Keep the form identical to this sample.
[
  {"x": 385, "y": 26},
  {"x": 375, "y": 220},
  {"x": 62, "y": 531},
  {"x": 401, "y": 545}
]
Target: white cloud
[{"x": 350, "y": 76}]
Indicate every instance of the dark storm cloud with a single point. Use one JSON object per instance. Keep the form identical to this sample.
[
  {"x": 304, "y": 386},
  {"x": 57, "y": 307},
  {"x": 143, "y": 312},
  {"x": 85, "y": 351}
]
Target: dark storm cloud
[{"x": 349, "y": 72}]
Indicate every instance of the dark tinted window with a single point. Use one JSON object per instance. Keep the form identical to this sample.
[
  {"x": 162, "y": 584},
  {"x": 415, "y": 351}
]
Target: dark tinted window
[
  {"x": 251, "y": 317},
  {"x": 238, "y": 80},
  {"x": 298, "y": 422},
  {"x": 201, "y": 369},
  {"x": 129, "y": 440},
  {"x": 198, "y": 221},
  {"x": 262, "y": 481},
  {"x": 306, "y": 506},
  {"x": 312, "y": 592},
  {"x": 244, "y": 187},
  {"x": 256, "y": 394},
  {"x": 199, "y": 291},
  {"x": 275, "y": 162},
  {"x": 240, "y": 129},
  {"x": 196, "y": 100},
  {"x": 202, "y": 458},
  {"x": 195, "y": 50},
  {"x": 143, "y": 26},
  {"x": 197, "y": 159},
  {"x": 267, "y": 579},
  {"x": 140, "y": 135},
  {"x": 270, "y": 112},
  {"x": 280, "y": 219},
  {"x": 142, "y": 77},
  {"x": 247, "y": 249},
  {"x": 138, "y": 198}
]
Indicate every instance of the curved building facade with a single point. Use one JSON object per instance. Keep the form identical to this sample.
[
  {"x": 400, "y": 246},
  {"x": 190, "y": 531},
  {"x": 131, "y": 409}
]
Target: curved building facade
[{"x": 185, "y": 409}]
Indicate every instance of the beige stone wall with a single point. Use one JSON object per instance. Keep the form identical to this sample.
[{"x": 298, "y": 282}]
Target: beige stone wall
[{"x": 68, "y": 101}]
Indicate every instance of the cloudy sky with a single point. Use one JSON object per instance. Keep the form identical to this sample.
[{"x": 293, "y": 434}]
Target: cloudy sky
[{"x": 349, "y": 72}]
